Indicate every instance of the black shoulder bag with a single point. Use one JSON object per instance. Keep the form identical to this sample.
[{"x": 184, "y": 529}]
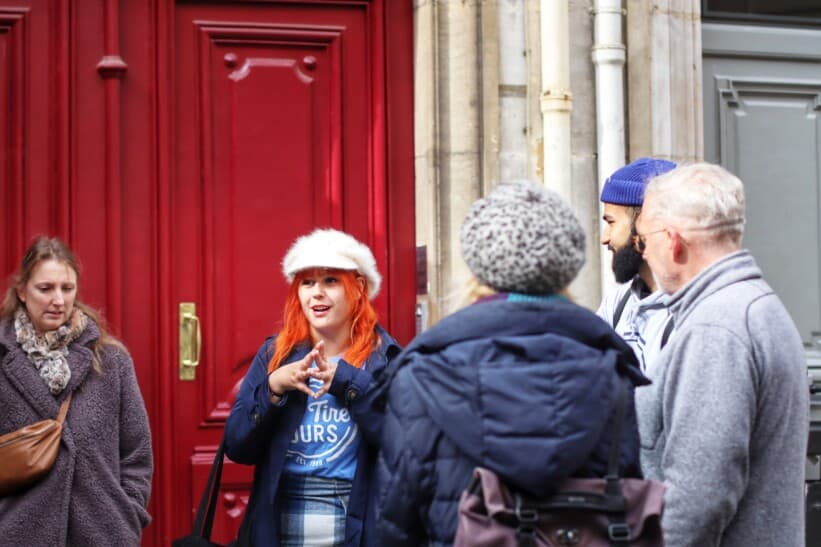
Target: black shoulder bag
[{"x": 201, "y": 532}]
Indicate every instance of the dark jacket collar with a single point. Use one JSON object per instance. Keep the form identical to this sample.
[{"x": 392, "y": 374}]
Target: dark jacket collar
[
  {"x": 499, "y": 318},
  {"x": 523, "y": 387}
]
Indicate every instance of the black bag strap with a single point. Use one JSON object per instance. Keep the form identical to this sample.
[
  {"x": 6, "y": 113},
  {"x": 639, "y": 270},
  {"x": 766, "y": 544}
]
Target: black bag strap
[
  {"x": 619, "y": 530},
  {"x": 668, "y": 329},
  {"x": 618, "y": 429},
  {"x": 613, "y": 502},
  {"x": 620, "y": 307},
  {"x": 204, "y": 520},
  {"x": 244, "y": 535}
]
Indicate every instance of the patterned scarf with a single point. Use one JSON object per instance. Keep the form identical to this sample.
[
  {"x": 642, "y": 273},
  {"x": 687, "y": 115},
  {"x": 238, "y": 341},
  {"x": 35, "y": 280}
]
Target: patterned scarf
[{"x": 48, "y": 353}]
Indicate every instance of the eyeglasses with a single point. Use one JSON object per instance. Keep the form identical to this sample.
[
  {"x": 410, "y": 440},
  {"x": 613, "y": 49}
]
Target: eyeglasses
[{"x": 641, "y": 239}]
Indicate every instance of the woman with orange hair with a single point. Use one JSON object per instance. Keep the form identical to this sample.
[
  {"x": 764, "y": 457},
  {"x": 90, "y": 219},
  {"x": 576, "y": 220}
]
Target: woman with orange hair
[{"x": 309, "y": 414}]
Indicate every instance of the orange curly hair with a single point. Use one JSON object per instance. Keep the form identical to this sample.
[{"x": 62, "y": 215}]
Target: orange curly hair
[{"x": 296, "y": 328}]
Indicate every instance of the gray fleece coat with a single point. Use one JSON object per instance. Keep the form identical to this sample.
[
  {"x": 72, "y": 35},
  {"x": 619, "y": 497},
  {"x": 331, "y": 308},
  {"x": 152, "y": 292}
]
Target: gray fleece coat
[
  {"x": 725, "y": 422},
  {"x": 97, "y": 491}
]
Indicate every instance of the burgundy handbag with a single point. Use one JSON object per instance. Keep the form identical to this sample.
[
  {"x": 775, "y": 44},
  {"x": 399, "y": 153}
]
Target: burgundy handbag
[{"x": 598, "y": 512}]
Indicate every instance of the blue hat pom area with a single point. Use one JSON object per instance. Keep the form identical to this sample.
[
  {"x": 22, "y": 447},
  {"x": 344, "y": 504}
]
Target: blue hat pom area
[{"x": 626, "y": 185}]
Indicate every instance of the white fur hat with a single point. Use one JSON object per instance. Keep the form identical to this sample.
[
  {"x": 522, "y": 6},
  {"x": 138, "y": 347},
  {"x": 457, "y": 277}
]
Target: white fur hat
[{"x": 327, "y": 248}]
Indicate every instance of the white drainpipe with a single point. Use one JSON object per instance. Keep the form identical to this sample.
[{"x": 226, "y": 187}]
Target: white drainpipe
[
  {"x": 608, "y": 58},
  {"x": 556, "y": 99}
]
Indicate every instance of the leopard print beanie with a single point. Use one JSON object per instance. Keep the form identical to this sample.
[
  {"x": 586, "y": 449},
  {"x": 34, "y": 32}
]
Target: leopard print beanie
[{"x": 523, "y": 238}]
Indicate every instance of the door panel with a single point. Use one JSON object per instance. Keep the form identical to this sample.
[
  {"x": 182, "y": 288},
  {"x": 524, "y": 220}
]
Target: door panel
[
  {"x": 270, "y": 134},
  {"x": 762, "y": 97},
  {"x": 33, "y": 105},
  {"x": 10, "y": 145}
]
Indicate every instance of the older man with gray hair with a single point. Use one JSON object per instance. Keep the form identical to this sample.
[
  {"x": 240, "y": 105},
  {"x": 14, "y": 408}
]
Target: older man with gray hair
[{"x": 725, "y": 423}]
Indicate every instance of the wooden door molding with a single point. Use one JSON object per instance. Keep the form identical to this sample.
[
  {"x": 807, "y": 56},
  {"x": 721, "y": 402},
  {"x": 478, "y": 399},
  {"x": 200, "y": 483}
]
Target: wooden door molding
[
  {"x": 13, "y": 41},
  {"x": 362, "y": 182},
  {"x": 34, "y": 117},
  {"x": 397, "y": 69}
]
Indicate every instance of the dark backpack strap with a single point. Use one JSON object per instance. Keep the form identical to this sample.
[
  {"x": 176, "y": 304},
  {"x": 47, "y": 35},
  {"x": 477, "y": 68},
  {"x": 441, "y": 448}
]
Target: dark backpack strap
[
  {"x": 620, "y": 307},
  {"x": 668, "y": 329},
  {"x": 527, "y": 520},
  {"x": 612, "y": 503},
  {"x": 618, "y": 428},
  {"x": 618, "y": 530}
]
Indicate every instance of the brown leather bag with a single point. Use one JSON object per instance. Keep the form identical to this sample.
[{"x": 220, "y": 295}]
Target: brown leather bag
[{"x": 29, "y": 452}]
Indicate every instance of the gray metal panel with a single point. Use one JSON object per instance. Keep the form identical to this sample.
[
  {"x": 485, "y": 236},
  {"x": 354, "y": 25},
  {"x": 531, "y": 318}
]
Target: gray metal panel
[
  {"x": 761, "y": 122},
  {"x": 729, "y": 40}
]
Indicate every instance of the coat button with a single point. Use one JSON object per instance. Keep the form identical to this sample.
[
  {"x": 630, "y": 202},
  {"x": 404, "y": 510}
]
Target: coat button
[
  {"x": 351, "y": 394},
  {"x": 257, "y": 418}
]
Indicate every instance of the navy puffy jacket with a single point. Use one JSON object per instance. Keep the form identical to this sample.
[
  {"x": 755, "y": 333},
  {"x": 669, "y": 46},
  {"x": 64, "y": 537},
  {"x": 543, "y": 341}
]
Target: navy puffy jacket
[{"x": 523, "y": 388}]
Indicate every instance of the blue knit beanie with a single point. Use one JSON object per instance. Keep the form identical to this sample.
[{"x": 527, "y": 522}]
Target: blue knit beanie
[{"x": 626, "y": 185}]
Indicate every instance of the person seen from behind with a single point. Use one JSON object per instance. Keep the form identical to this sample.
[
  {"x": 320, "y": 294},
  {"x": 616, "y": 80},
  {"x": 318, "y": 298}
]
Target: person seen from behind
[
  {"x": 724, "y": 424},
  {"x": 304, "y": 415},
  {"x": 522, "y": 382}
]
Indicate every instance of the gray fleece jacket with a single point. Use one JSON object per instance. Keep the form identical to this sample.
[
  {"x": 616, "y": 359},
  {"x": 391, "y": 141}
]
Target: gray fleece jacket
[
  {"x": 725, "y": 422},
  {"x": 96, "y": 493}
]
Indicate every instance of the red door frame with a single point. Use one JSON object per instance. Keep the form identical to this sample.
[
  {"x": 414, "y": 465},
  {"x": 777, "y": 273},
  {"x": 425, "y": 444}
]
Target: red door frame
[{"x": 391, "y": 212}]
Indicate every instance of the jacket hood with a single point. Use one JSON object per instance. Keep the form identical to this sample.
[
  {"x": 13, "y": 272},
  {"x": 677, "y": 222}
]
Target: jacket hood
[
  {"x": 732, "y": 268},
  {"x": 654, "y": 301},
  {"x": 523, "y": 388}
]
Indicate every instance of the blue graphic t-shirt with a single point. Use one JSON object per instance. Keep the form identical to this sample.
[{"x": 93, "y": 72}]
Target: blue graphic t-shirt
[{"x": 326, "y": 442}]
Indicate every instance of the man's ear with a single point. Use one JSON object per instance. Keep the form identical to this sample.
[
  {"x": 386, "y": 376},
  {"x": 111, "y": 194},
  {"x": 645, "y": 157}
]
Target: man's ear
[{"x": 677, "y": 247}]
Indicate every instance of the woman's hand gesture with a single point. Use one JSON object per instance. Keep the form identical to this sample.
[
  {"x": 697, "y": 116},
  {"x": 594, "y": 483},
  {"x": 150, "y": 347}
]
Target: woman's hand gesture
[
  {"x": 293, "y": 376},
  {"x": 324, "y": 370}
]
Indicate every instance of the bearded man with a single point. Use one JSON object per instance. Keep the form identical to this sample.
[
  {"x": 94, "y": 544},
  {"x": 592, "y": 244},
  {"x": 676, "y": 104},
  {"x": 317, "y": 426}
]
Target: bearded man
[{"x": 636, "y": 309}]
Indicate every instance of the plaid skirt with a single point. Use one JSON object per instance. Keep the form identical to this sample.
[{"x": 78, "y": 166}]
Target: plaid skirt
[{"x": 312, "y": 511}]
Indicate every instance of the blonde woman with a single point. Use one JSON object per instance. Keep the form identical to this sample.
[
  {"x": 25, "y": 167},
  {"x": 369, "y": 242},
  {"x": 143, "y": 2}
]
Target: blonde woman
[{"x": 53, "y": 346}]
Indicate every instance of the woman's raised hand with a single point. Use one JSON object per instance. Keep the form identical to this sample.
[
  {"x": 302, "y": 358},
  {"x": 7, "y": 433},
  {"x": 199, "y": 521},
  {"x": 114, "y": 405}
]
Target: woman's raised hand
[
  {"x": 293, "y": 376},
  {"x": 324, "y": 370}
]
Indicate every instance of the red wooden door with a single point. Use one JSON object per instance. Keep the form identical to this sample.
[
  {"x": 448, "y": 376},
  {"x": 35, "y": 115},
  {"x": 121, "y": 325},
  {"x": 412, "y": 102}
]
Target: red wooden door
[
  {"x": 278, "y": 127},
  {"x": 179, "y": 147},
  {"x": 33, "y": 120}
]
